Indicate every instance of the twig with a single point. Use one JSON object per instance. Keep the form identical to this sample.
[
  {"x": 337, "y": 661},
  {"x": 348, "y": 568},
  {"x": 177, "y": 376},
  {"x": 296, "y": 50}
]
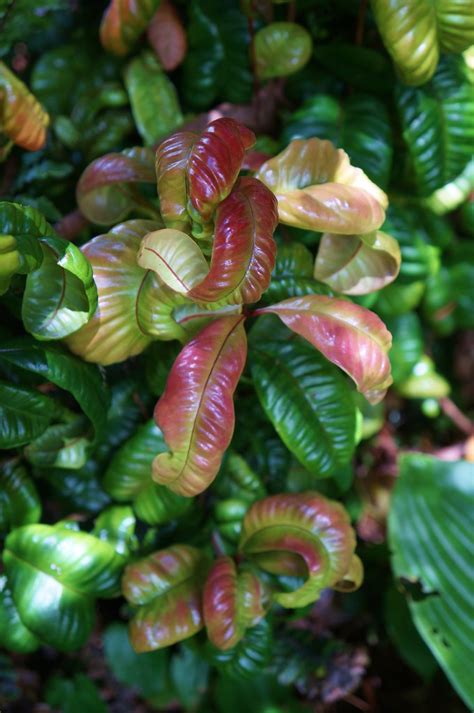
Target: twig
[{"x": 450, "y": 410}]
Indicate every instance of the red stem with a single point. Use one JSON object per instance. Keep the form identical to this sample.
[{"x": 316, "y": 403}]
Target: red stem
[{"x": 450, "y": 410}]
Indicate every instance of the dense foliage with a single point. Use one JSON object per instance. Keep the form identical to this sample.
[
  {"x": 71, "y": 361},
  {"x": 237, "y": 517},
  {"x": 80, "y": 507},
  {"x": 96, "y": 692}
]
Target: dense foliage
[{"x": 236, "y": 269}]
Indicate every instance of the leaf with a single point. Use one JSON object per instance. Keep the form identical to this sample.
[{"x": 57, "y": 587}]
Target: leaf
[
  {"x": 415, "y": 32},
  {"x": 408, "y": 344},
  {"x": 74, "y": 695},
  {"x": 105, "y": 192},
  {"x": 190, "y": 675},
  {"x": 437, "y": 123},
  {"x": 293, "y": 274},
  {"x": 19, "y": 499},
  {"x": 153, "y": 98},
  {"x": 359, "y": 124},
  {"x": 132, "y": 306},
  {"x": 24, "y": 414},
  {"x": 297, "y": 534},
  {"x": 167, "y": 35},
  {"x": 128, "y": 477},
  {"x": 350, "y": 336},
  {"x": 54, "y": 574},
  {"x": 318, "y": 189},
  {"x": 218, "y": 49},
  {"x": 364, "y": 68},
  {"x": 233, "y": 601},
  {"x": 248, "y": 658},
  {"x": 196, "y": 411},
  {"x": 60, "y": 296},
  {"x": 281, "y": 48},
  {"x": 357, "y": 264},
  {"x": 423, "y": 382},
  {"x": 172, "y": 158},
  {"x": 22, "y": 118},
  {"x": 213, "y": 167},
  {"x": 429, "y": 535},
  {"x": 123, "y": 23},
  {"x": 166, "y": 588},
  {"x": 14, "y": 635},
  {"x": 308, "y": 401}
]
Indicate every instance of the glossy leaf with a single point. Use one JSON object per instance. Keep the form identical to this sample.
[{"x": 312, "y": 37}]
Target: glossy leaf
[
  {"x": 437, "y": 123},
  {"x": 360, "y": 125},
  {"x": 172, "y": 158},
  {"x": 415, "y": 32},
  {"x": 22, "y": 118},
  {"x": 60, "y": 295},
  {"x": 196, "y": 412},
  {"x": 233, "y": 601},
  {"x": 350, "y": 336},
  {"x": 166, "y": 587},
  {"x": 424, "y": 382},
  {"x": 430, "y": 536},
  {"x": 214, "y": 164},
  {"x": 19, "y": 499},
  {"x": 132, "y": 306},
  {"x": 54, "y": 574},
  {"x": 308, "y": 401},
  {"x": 318, "y": 189},
  {"x": 105, "y": 191},
  {"x": 296, "y": 535},
  {"x": 281, "y": 48},
  {"x": 123, "y": 23},
  {"x": 167, "y": 35},
  {"x": 408, "y": 344},
  {"x": 293, "y": 274},
  {"x": 153, "y": 98},
  {"x": 24, "y": 414},
  {"x": 128, "y": 478},
  {"x": 246, "y": 660},
  {"x": 14, "y": 635},
  {"x": 357, "y": 264}
]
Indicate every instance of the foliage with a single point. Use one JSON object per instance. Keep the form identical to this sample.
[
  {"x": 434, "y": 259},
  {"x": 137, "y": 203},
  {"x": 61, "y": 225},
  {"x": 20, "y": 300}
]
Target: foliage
[{"x": 218, "y": 331}]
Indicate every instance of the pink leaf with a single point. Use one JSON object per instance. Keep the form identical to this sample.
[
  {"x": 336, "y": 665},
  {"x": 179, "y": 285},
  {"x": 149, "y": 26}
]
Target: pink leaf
[{"x": 167, "y": 36}]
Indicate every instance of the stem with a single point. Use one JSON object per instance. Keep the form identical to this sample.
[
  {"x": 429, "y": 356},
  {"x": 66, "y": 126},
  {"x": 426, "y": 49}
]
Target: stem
[
  {"x": 359, "y": 38},
  {"x": 450, "y": 410},
  {"x": 291, "y": 11}
]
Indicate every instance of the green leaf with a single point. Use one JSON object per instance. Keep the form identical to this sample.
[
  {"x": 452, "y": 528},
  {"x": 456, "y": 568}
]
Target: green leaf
[
  {"x": 363, "y": 68},
  {"x": 438, "y": 124},
  {"x": 60, "y": 296},
  {"x": 24, "y": 414},
  {"x": 424, "y": 382},
  {"x": 153, "y": 98},
  {"x": 74, "y": 695},
  {"x": 293, "y": 274},
  {"x": 217, "y": 65},
  {"x": 54, "y": 574},
  {"x": 19, "y": 500},
  {"x": 190, "y": 675},
  {"x": 281, "y": 48},
  {"x": 116, "y": 525},
  {"x": 308, "y": 400},
  {"x": 249, "y": 658},
  {"x": 14, "y": 635},
  {"x": 359, "y": 124},
  {"x": 407, "y": 346},
  {"x": 128, "y": 478},
  {"x": 430, "y": 528}
]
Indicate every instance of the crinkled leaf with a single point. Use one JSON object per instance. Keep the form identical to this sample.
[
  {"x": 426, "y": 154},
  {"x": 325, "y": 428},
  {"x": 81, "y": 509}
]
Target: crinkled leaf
[
  {"x": 133, "y": 308},
  {"x": 438, "y": 124},
  {"x": 357, "y": 264},
  {"x": 19, "y": 500},
  {"x": 153, "y": 98},
  {"x": 60, "y": 295},
  {"x": 348, "y": 335},
  {"x": 14, "y": 635},
  {"x": 359, "y": 124},
  {"x": 281, "y": 48},
  {"x": 166, "y": 586},
  {"x": 300, "y": 534},
  {"x": 128, "y": 478},
  {"x": 167, "y": 35},
  {"x": 430, "y": 528},
  {"x": 415, "y": 31},
  {"x": 307, "y": 399},
  {"x": 22, "y": 118},
  {"x": 196, "y": 411},
  {"x": 172, "y": 158},
  {"x": 54, "y": 574},
  {"x": 318, "y": 189},
  {"x": 123, "y": 23},
  {"x": 249, "y": 658},
  {"x": 105, "y": 191},
  {"x": 24, "y": 414}
]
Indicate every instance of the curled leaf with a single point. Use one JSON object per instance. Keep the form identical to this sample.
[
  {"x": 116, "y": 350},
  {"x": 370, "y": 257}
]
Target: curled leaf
[
  {"x": 123, "y": 23},
  {"x": 19, "y": 499},
  {"x": 196, "y": 411},
  {"x": 318, "y": 189},
  {"x": 299, "y": 534},
  {"x": 357, "y": 264},
  {"x": 348, "y": 335},
  {"x": 167, "y": 36},
  {"x": 166, "y": 586},
  {"x": 105, "y": 191},
  {"x": 22, "y": 118},
  {"x": 281, "y": 48},
  {"x": 233, "y": 601},
  {"x": 172, "y": 158}
]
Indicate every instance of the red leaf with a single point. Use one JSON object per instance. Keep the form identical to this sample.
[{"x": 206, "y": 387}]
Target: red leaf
[
  {"x": 243, "y": 254},
  {"x": 123, "y": 23},
  {"x": 167, "y": 36},
  {"x": 172, "y": 158},
  {"x": 196, "y": 411}
]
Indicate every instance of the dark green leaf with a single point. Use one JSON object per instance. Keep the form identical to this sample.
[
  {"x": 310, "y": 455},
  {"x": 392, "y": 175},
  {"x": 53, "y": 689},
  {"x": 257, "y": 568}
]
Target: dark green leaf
[
  {"x": 19, "y": 500},
  {"x": 24, "y": 414},
  {"x": 74, "y": 695}
]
